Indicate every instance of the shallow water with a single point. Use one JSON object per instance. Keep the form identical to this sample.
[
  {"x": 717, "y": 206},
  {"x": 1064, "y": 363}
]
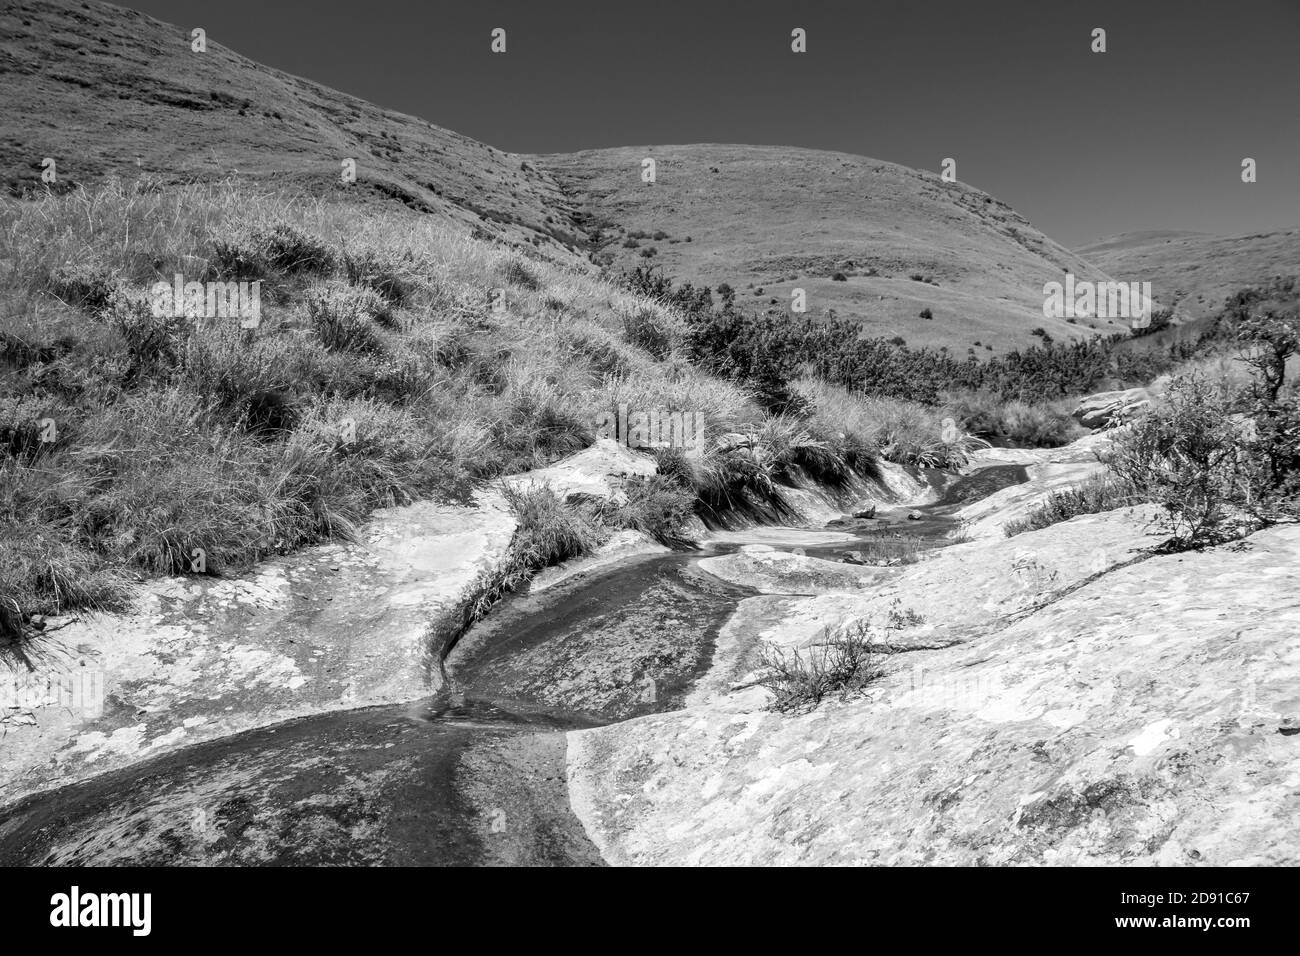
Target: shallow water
[{"x": 475, "y": 775}]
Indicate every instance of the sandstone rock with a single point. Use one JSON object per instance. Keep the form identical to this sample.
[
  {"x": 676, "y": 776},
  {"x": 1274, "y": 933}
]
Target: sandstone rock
[
  {"x": 1049, "y": 469},
  {"x": 1141, "y": 718},
  {"x": 593, "y": 471},
  {"x": 1106, "y": 409},
  {"x": 780, "y": 572},
  {"x": 337, "y": 626}
]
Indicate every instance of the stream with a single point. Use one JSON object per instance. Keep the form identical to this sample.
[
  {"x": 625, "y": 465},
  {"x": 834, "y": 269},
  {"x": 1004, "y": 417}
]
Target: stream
[{"x": 472, "y": 776}]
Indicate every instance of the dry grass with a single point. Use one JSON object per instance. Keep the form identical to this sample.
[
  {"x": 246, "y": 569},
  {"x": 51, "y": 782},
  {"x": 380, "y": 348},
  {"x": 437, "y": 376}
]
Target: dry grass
[
  {"x": 905, "y": 432},
  {"x": 381, "y": 372},
  {"x": 842, "y": 664}
]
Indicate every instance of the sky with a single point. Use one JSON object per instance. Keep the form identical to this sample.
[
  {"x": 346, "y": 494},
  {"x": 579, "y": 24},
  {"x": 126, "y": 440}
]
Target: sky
[{"x": 1148, "y": 135}]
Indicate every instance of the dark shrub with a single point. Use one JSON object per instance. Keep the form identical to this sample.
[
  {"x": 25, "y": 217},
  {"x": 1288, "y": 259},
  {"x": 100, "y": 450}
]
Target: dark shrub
[{"x": 517, "y": 273}]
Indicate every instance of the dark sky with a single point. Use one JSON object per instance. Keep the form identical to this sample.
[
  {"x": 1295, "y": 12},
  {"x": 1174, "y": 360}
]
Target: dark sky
[{"x": 1149, "y": 135}]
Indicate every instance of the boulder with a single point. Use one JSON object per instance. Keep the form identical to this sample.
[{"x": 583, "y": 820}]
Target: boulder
[{"x": 1107, "y": 409}]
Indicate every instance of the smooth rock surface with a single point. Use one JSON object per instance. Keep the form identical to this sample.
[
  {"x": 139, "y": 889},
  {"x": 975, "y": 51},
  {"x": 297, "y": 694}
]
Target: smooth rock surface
[
  {"x": 1147, "y": 715},
  {"x": 1049, "y": 469},
  {"x": 331, "y": 627}
]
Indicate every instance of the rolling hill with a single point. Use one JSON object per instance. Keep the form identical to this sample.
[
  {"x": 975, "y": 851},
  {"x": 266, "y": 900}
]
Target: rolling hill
[
  {"x": 107, "y": 91},
  {"x": 1193, "y": 273},
  {"x": 777, "y": 218}
]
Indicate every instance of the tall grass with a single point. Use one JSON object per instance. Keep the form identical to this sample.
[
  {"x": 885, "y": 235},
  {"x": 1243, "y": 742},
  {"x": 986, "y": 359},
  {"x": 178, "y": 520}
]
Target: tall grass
[
  {"x": 380, "y": 373},
  {"x": 905, "y": 432},
  {"x": 1093, "y": 496}
]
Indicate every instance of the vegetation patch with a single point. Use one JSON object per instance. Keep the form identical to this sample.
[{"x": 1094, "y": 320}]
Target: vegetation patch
[{"x": 840, "y": 664}]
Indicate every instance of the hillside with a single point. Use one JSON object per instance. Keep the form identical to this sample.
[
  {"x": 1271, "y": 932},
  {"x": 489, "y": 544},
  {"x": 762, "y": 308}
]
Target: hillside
[
  {"x": 108, "y": 91},
  {"x": 1194, "y": 272},
  {"x": 777, "y": 218}
]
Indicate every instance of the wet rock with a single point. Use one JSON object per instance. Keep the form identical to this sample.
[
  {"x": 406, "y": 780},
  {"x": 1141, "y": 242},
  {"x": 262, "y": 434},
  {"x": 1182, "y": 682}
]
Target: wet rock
[
  {"x": 1129, "y": 720},
  {"x": 1049, "y": 470},
  {"x": 335, "y": 626},
  {"x": 856, "y": 524},
  {"x": 780, "y": 572}
]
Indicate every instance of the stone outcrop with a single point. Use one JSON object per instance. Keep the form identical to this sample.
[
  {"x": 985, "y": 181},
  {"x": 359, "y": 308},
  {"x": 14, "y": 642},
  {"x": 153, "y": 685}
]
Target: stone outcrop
[
  {"x": 338, "y": 626},
  {"x": 1049, "y": 470},
  {"x": 1070, "y": 698},
  {"x": 335, "y": 626},
  {"x": 1108, "y": 409}
]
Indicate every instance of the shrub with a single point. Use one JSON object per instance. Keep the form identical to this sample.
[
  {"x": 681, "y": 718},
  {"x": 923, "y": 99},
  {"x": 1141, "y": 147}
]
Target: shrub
[
  {"x": 1161, "y": 319},
  {"x": 1096, "y": 495},
  {"x": 841, "y": 663},
  {"x": 280, "y": 248},
  {"x": 393, "y": 279},
  {"x": 659, "y": 506},
  {"x": 1025, "y": 424},
  {"x": 1191, "y": 455},
  {"x": 517, "y": 273},
  {"x": 151, "y": 341},
  {"x": 839, "y": 277},
  {"x": 344, "y": 317},
  {"x": 926, "y": 313},
  {"x": 82, "y": 286},
  {"x": 646, "y": 330}
]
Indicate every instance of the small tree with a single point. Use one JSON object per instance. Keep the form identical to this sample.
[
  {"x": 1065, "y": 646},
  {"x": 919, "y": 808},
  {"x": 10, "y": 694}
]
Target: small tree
[
  {"x": 1270, "y": 334},
  {"x": 1186, "y": 456}
]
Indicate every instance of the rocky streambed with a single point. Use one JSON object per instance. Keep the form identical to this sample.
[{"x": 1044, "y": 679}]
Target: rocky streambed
[
  {"x": 1063, "y": 696},
  {"x": 476, "y": 774}
]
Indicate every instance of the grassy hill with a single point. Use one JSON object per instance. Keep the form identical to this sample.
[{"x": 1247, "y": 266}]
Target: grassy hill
[
  {"x": 775, "y": 218},
  {"x": 1193, "y": 273},
  {"x": 109, "y": 91}
]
